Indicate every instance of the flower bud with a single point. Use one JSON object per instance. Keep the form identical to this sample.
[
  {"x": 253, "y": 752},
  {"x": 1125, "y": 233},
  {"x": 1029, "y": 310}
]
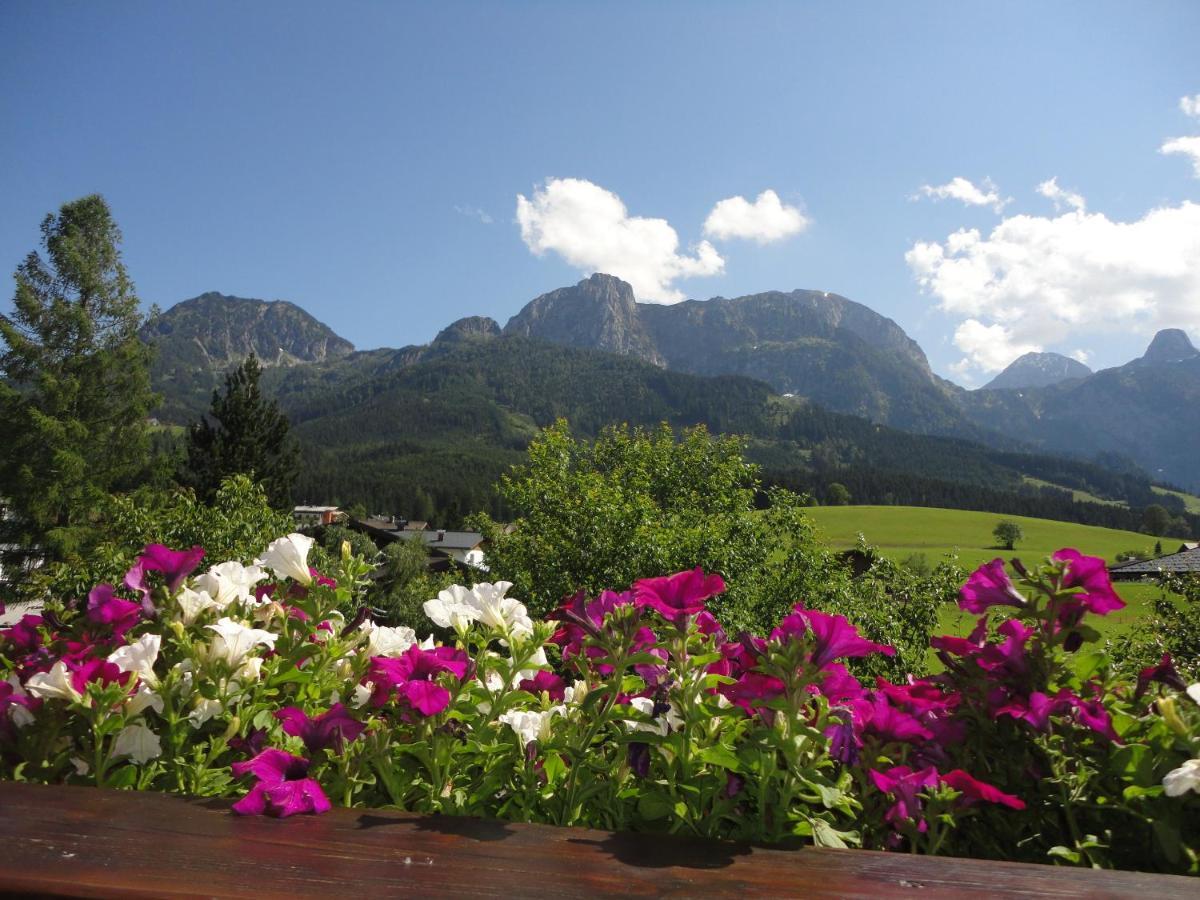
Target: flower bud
[
  {"x": 235, "y": 725},
  {"x": 1166, "y": 708},
  {"x": 345, "y": 551}
]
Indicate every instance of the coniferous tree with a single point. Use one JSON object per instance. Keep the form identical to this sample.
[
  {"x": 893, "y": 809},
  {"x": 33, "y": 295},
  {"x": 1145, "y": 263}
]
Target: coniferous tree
[
  {"x": 243, "y": 433},
  {"x": 74, "y": 380}
]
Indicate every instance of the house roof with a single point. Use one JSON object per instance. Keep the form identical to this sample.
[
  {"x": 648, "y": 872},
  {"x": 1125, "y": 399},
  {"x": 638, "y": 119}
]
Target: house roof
[
  {"x": 450, "y": 540},
  {"x": 1186, "y": 561}
]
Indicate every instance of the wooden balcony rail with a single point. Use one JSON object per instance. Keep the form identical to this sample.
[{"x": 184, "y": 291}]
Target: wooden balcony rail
[{"x": 83, "y": 842}]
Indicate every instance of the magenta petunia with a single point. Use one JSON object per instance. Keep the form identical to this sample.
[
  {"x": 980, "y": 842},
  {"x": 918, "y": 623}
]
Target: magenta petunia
[
  {"x": 679, "y": 596},
  {"x": 552, "y": 684},
  {"x": 889, "y": 724},
  {"x": 1093, "y": 715},
  {"x": 326, "y": 731},
  {"x": 833, "y": 636},
  {"x": 989, "y": 586},
  {"x": 1091, "y": 574},
  {"x": 24, "y": 636},
  {"x": 904, "y": 785},
  {"x": 283, "y": 788},
  {"x": 175, "y": 565},
  {"x": 99, "y": 670},
  {"x": 974, "y": 790},
  {"x": 1036, "y": 709},
  {"x": 105, "y": 608},
  {"x": 1163, "y": 673},
  {"x": 752, "y": 690},
  {"x": 1008, "y": 657},
  {"x": 412, "y": 676}
]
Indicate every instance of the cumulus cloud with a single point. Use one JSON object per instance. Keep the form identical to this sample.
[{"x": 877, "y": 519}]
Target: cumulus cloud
[
  {"x": 590, "y": 228},
  {"x": 1039, "y": 281},
  {"x": 1187, "y": 146},
  {"x": 766, "y": 220},
  {"x": 1081, "y": 356},
  {"x": 1061, "y": 197},
  {"x": 959, "y": 188},
  {"x": 1190, "y": 106}
]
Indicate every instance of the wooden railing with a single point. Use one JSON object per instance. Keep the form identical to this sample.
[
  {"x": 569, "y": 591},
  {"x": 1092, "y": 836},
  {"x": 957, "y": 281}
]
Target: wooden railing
[{"x": 83, "y": 842}]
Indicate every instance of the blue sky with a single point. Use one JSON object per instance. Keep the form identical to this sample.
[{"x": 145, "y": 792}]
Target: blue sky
[{"x": 365, "y": 160}]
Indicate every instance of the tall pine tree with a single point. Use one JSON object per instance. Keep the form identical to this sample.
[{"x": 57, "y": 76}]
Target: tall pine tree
[
  {"x": 243, "y": 433},
  {"x": 74, "y": 380}
]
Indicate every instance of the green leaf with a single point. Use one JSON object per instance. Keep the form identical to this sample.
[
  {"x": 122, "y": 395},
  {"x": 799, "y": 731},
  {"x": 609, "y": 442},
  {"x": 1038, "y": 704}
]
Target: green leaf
[{"x": 653, "y": 806}]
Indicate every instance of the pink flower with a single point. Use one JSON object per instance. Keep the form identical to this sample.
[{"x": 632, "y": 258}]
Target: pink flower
[
  {"x": 545, "y": 681},
  {"x": 326, "y": 731},
  {"x": 105, "y": 608},
  {"x": 888, "y": 724},
  {"x": 24, "y": 636},
  {"x": 974, "y": 791},
  {"x": 989, "y": 586},
  {"x": 833, "y": 636},
  {"x": 1164, "y": 673},
  {"x": 175, "y": 565},
  {"x": 1008, "y": 658},
  {"x": 1091, "y": 574},
  {"x": 679, "y": 596},
  {"x": 413, "y": 677},
  {"x": 283, "y": 788},
  {"x": 904, "y": 785},
  {"x": 752, "y": 690}
]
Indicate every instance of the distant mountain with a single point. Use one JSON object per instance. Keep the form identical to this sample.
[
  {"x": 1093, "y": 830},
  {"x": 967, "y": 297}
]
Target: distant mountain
[
  {"x": 1037, "y": 370},
  {"x": 1171, "y": 345},
  {"x": 826, "y": 348},
  {"x": 201, "y": 339}
]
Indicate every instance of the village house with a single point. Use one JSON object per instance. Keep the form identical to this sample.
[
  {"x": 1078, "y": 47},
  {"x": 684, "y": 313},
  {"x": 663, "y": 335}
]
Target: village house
[{"x": 1183, "y": 562}]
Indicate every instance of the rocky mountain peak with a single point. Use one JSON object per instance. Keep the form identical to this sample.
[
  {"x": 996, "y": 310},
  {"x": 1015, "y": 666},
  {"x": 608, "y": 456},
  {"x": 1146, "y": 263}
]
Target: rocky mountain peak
[
  {"x": 1037, "y": 370},
  {"x": 468, "y": 328},
  {"x": 1169, "y": 345}
]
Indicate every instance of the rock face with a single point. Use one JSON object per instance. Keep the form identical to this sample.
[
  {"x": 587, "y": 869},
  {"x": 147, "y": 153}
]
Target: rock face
[
  {"x": 819, "y": 345},
  {"x": 1037, "y": 370},
  {"x": 472, "y": 327},
  {"x": 1170, "y": 345}
]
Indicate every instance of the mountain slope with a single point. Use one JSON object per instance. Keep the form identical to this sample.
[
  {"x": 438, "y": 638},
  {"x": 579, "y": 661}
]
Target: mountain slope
[{"x": 1037, "y": 370}]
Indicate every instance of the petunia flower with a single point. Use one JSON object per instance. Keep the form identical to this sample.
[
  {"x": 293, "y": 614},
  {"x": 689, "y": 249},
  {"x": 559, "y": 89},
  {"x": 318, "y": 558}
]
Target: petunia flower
[
  {"x": 904, "y": 785},
  {"x": 229, "y": 582},
  {"x": 384, "y": 641},
  {"x": 450, "y": 609},
  {"x": 287, "y": 557},
  {"x": 326, "y": 731},
  {"x": 974, "y": 791},
  {"x": 105, "y": 608},
  {"x": 24, "y": 636},
  {"x": 139, "y": 657},
  {"x": 678, "y": 597},
  {"x": 192, "y": 604},
  {"x": 1164, "y": 673},
  {"x": 175, "y": 565},
  {"x": 1091, "y": 574},
  {"x": 137, "y": 742},
  {"x": 989, "y": 586},
  {"x": 413, "y": 677},
  {"x": 531, "y": 725},
  {"x": 552, "y": 684},
  {"x": 637, "y": 756},
  {"x": 235, "y": 641},
  {"x": 1186, "y": 778},
  {"x": 888, "y": 724},
  {"x": 833, "y": 636},
  {"x": 283, "y": 787},
  {"x": 55, "y": 684}
]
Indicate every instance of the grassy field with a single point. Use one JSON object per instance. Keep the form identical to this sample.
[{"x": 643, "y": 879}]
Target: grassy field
[
  {"x": 899, "y": 531},
  {"x": 1190, "y": 501}
]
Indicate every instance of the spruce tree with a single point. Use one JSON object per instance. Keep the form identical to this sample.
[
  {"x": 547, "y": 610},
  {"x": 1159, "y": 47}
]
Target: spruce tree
[
  {"x": 243, "y": 433},
  {"x": 74, "y": 380}
]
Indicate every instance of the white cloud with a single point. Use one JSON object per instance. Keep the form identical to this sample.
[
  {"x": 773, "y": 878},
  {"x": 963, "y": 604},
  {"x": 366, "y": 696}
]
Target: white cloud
[
  {"x": 591, "y": 229},
  {"x": 959, "y": 188},
  {"x": 1060, "y": 196},
  {"x": 764, "y": 221},
  {"x": 474, "y": 212},
  {"x": 1044, "y": 281},
  {"x": 1188, "y": 146},
  {"x": 1081, "y": 356},
  {"x": 1190, "y": 106}
]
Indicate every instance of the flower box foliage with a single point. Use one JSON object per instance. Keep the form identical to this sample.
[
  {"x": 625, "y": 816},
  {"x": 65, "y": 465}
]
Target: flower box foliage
[{"x": 629, "y": 709}]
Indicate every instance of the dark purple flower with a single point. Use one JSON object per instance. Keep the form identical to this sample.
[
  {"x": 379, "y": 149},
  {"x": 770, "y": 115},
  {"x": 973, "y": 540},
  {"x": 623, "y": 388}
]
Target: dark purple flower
[
  {"x": 1092, "y": 714},
  {"x": 679, "y": 596},
  {"x": 707, "y": 624},
  {"x": 638, "y": 756},
  {"x": 734, "y": 783},
  {"x": 175, "y": 565},
  {"x": 833, "y": 636},
  {"x": 327, "y": 731},
  {"x": 283, "y": 788},
  {"x": 1164, "y": 673},
  {"x": 1036, "y": 709},
  {"x": 844, "y": 742},
  {"x": 135, "y": 580},
  {"x": 545, "y": 681},
  {"x": 250, "y": 745},
  {"x": 1091, "y": 574},
  {"x": 974, "y": 791},
  {"x": 105, "y": 608},
  {"x": 989, "y": 586}
]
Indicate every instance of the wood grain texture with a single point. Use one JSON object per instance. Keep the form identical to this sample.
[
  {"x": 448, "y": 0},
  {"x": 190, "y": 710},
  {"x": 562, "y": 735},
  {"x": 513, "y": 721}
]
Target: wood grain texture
[{"x": 83, "y": 842}]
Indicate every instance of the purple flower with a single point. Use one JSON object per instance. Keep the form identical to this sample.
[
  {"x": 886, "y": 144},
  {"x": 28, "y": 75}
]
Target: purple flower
[
  {"x": 105, "y": 608},
  {"x": 734, "y": 783},
  {"x": 1036, "y": 709},
  {"x": 844, "y": 742},
  {"x": 24, "y": 636},
  {"x": 96, "y": 669},
  {"x": 889, "y": 724},
  {"x": 413, "y": 677},
  {"x": 833, "y": 636},
  {"x": 752, "y": 690},
  {"x": 1164, "y": 673},
  {"x": 1091, "y": 574},
  {"x": 283, "y": 788},
  {"x": 1092, "y": 714},
  {"x": 545, "y": 681},
  {"x": 974, "y": 791},
  {"x": 175, "y": 565},
  {"x": 250, "y": 745},
  {"x": 638, "y": 756},
  {"x": 1008, "y": 657},
  {"x": 328, "y": 730},
  {"x": 679, "y": 596},
  {"x": 903, "y": 785},
  {"x": 989, "y": 586}
]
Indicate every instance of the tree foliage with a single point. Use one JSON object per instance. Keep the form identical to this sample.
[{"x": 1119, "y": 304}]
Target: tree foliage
[
  {"x": 75, "y": 388},
  {"x": 1007, "y": 533},
  {"x": 243, "y": 433}
]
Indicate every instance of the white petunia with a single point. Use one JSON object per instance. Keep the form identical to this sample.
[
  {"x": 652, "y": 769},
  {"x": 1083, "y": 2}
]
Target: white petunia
[
  {"x": 144, "y": 698},
  {"x": 495, "y": 610},
  {"x": 384, "y": 641},
  {"x": 192, "y": 604},
  {"x": 205, "y": 710},
  {"x": 451, "y": 609},
  {"x": 53, "y": 685},
  {"x": 362, "y": 693},
  {"x": 249, "y": 671},
  {"x": 137, "y": 742},
  {"x": 672, "y": 720},
  {"x": 139, "y": 657},
  {"x": 531, "y": 725},
  {"x": 1193, "y": 691},
  {"x": 234, "y": 641},
  {"x": 18, "y": 714},
  {"x": 574, "y": 694},
  {"x": 229, "y": 582},
  {"x": 1185, "y": 778},
  {"x": 287, "y": 557}
]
